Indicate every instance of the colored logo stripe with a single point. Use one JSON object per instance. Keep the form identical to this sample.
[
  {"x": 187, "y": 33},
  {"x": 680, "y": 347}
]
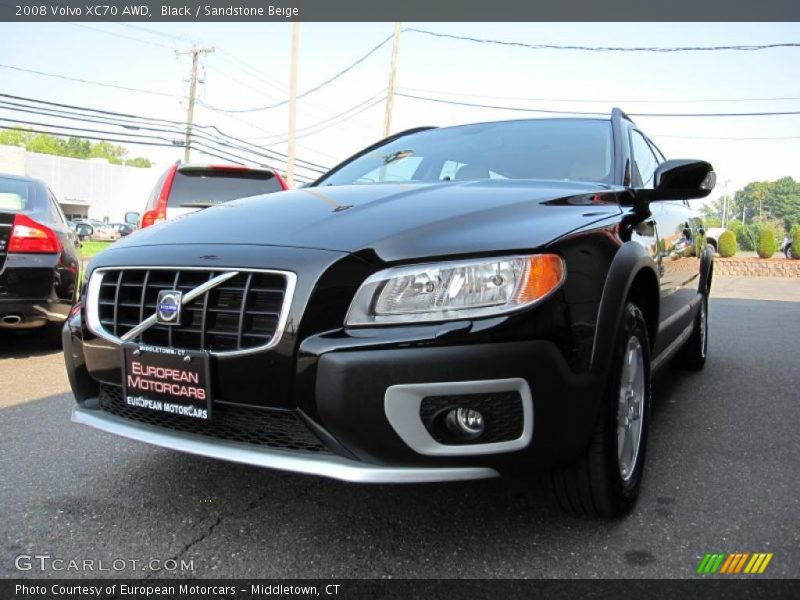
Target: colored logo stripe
[
  {"x": 734, "y": 563},
  {"x": 710, "y": 563}
]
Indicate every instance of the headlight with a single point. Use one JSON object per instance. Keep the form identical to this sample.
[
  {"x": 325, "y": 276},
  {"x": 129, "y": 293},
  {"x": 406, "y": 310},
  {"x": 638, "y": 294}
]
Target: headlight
[{"x": 455, "y": 290}]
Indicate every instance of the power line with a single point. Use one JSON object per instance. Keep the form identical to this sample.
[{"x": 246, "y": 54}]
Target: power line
[
  {"x": 109, "y": 136},
  {"x": 90, "y": 82},
  {"x": 130, "y": 120},
  {"x": 171, "y": 36},
  {"x": 338, "y": 115},
  {"x": 90, "y": 137},
  {"x": 732, "y": 139},
  {"x": 327, "y": 123},
  {"x": 616, "y": 101},
  {"x": 594, "y": 113},
  {"x": 122, "y": 36},
  {"x": 339, "y": 74},
  {"x": 202, "y": 140},
  {"x": 739, "y": 47}
]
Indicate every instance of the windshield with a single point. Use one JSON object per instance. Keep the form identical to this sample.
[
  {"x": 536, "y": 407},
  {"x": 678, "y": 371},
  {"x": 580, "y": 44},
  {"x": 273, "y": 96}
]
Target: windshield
[
  {"x": 205, "y": 187},
  {"x": 564, "y": 149}
]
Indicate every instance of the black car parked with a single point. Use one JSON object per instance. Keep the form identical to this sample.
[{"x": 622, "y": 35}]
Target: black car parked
[
  {"x": 448, "y": 304},
  {"x": 39, "y": 264}
]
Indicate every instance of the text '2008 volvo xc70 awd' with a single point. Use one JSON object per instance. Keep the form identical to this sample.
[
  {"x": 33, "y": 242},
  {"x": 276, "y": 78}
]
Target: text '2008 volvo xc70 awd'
[{"x": 447, "y": 304}]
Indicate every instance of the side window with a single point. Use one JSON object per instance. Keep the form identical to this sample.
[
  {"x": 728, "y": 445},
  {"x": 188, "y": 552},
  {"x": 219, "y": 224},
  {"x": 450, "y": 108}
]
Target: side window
[
  {"x": 659, "y": 154},
  {"x": 644, "y": 161},
  {"x": 55, "y": 210}
]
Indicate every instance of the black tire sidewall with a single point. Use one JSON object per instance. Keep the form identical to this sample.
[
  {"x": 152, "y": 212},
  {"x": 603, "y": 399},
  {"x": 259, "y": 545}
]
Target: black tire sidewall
[{"x": 625, "y": 492}]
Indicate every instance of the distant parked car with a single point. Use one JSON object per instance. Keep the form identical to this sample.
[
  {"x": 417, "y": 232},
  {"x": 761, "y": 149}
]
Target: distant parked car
[
  {"x": 39, "y": 263},
  {"x": 105, "y": 233},
  {"x": 712, "y": 237},
  {"x": 786, "y": 247},
  {"x": 123, "y": 229},
  {"x": 83, "y": 230},
  {"x": 184, "y": 189}
]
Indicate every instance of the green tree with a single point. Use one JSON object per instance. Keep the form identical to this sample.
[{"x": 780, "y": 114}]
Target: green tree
[
  {"x": 72, "y": 147},
  {"x": 785, "y": 201},
  {"x": 778, "y": 199}
]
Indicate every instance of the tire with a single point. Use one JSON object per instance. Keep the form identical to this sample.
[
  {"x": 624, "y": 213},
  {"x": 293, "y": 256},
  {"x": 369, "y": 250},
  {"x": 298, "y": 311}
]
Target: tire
[
  {"x": 788, "y": 251},
  {"x": 693, "y": 354},
  {"x": 603, "y": 483},
  {"x": 713, "y": 245}
]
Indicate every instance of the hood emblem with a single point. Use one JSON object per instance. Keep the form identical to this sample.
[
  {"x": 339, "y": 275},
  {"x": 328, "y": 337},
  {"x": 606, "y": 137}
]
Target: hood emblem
[{"x": 168, "y": 307}]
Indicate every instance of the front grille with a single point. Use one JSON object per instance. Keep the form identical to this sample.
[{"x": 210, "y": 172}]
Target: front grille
[
  {"x": 241, "y": 313},
  {"x": 502, "y": 411},
  {"x": 279, "y": 429}
]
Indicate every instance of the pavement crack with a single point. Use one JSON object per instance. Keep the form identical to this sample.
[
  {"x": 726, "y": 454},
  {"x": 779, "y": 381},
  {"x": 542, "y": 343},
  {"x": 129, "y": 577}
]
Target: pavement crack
[{"x": 188, "y": 546}]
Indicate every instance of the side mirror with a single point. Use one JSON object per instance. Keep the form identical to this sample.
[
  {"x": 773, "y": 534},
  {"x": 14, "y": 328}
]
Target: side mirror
[
  {"x": 681, "y": 179},
  {"x": 132, "y": 218}
]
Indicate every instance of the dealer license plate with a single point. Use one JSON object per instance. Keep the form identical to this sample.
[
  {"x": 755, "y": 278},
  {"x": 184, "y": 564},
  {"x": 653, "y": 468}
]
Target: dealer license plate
[{"x": 166, "y": 380}]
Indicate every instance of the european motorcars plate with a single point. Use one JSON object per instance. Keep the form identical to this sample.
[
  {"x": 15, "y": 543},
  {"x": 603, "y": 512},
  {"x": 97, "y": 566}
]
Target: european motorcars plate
[{"x": 167, "y": 380}]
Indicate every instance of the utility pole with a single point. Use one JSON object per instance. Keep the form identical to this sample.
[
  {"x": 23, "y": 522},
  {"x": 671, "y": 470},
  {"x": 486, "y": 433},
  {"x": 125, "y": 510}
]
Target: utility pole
[
  {"x": 387, "y": 123},
  {"x": 292, "y": 103},
  {"x": 195, "y": 52},
  {"x": 725, "y": 204}
]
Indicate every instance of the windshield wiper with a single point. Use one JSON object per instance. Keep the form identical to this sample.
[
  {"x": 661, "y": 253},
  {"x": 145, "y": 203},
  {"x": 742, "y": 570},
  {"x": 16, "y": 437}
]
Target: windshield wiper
[{"x": 199, "y": 204}]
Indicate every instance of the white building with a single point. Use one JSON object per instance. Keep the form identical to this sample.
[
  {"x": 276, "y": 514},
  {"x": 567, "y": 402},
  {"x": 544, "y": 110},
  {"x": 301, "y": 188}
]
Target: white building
[{"x": 91, "y": 188}]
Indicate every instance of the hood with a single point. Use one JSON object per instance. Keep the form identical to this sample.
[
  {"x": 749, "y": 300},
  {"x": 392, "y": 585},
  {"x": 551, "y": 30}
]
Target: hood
[{"x": 397, "y": 221}]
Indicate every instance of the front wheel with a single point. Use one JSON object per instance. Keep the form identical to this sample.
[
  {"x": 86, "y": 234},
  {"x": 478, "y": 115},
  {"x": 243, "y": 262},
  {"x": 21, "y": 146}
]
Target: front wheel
[
  {"x": 605, "y": 481},
  {"x": 787, "y": 251}
]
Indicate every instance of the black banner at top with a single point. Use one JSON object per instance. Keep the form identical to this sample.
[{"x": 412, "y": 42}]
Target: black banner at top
[{"x": 398, "y": 10}]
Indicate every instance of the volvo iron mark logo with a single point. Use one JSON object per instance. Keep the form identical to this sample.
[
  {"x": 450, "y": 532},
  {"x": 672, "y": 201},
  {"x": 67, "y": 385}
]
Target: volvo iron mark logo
[{"x": 168, "y": 307}]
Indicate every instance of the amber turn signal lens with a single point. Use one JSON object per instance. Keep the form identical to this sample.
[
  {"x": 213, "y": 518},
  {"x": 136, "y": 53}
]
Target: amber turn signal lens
[{"x": 543, "y": 274}]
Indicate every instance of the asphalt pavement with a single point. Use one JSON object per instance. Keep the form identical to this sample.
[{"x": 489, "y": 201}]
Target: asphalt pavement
[{"x": 721, "y": 477}]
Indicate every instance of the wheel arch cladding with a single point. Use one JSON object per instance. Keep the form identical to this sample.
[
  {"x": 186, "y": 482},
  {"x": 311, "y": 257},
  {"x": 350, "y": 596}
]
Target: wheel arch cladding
[{"x": 632, "y": 276}]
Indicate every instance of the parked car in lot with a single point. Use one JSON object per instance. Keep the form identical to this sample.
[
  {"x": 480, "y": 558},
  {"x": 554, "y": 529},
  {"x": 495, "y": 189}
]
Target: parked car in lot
[
  {"x": 83, "y": 230},
  {"x": 183, "y": 189},
  {"x": 447, "y": 304},
  {"x": 38, "y": 260},
  {"x": 105, "y": 232},
  {"x": 786, "y": 247},
  {"x": 122, "y": 229},
  {"x": 712, "y": 237}
]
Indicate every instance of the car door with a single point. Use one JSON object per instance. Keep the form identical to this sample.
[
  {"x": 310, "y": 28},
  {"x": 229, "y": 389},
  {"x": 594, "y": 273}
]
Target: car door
[{"x": 678, "y": 267}]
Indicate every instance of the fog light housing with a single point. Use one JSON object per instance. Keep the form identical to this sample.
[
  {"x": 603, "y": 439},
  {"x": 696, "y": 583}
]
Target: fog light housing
[{"x": 465, "y": 423}]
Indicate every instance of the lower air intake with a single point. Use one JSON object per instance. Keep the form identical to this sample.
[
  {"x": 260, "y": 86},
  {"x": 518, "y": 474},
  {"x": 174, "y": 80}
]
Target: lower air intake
[{"x": 279, "y": 429}]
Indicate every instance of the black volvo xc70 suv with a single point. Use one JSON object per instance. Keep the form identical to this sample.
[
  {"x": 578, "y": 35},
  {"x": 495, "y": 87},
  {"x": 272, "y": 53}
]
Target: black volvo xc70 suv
[{"x": 447, "y": 304}]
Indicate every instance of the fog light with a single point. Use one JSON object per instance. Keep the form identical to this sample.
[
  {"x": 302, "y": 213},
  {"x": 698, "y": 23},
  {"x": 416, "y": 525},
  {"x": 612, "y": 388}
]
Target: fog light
[{"x": 466, "y": 423}]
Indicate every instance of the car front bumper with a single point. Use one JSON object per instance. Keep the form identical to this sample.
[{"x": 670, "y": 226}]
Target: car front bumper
[{"x": 331, "y": 466}]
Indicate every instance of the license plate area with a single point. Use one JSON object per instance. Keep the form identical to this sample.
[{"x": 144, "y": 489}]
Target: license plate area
[{"x": 167, "y": 380}]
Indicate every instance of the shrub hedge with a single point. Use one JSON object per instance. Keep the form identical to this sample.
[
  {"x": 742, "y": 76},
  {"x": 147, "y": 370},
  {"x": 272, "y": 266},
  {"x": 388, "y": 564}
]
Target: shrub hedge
[{"x": 727, "y": 244}]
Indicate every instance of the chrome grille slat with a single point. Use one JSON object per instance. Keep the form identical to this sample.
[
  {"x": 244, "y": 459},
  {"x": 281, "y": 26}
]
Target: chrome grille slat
[{"x": 245, "y": 310}]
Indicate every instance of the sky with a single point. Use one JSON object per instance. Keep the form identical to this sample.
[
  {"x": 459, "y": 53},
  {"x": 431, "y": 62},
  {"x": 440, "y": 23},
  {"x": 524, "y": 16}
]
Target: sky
[{"x": 250, "y": 68}]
